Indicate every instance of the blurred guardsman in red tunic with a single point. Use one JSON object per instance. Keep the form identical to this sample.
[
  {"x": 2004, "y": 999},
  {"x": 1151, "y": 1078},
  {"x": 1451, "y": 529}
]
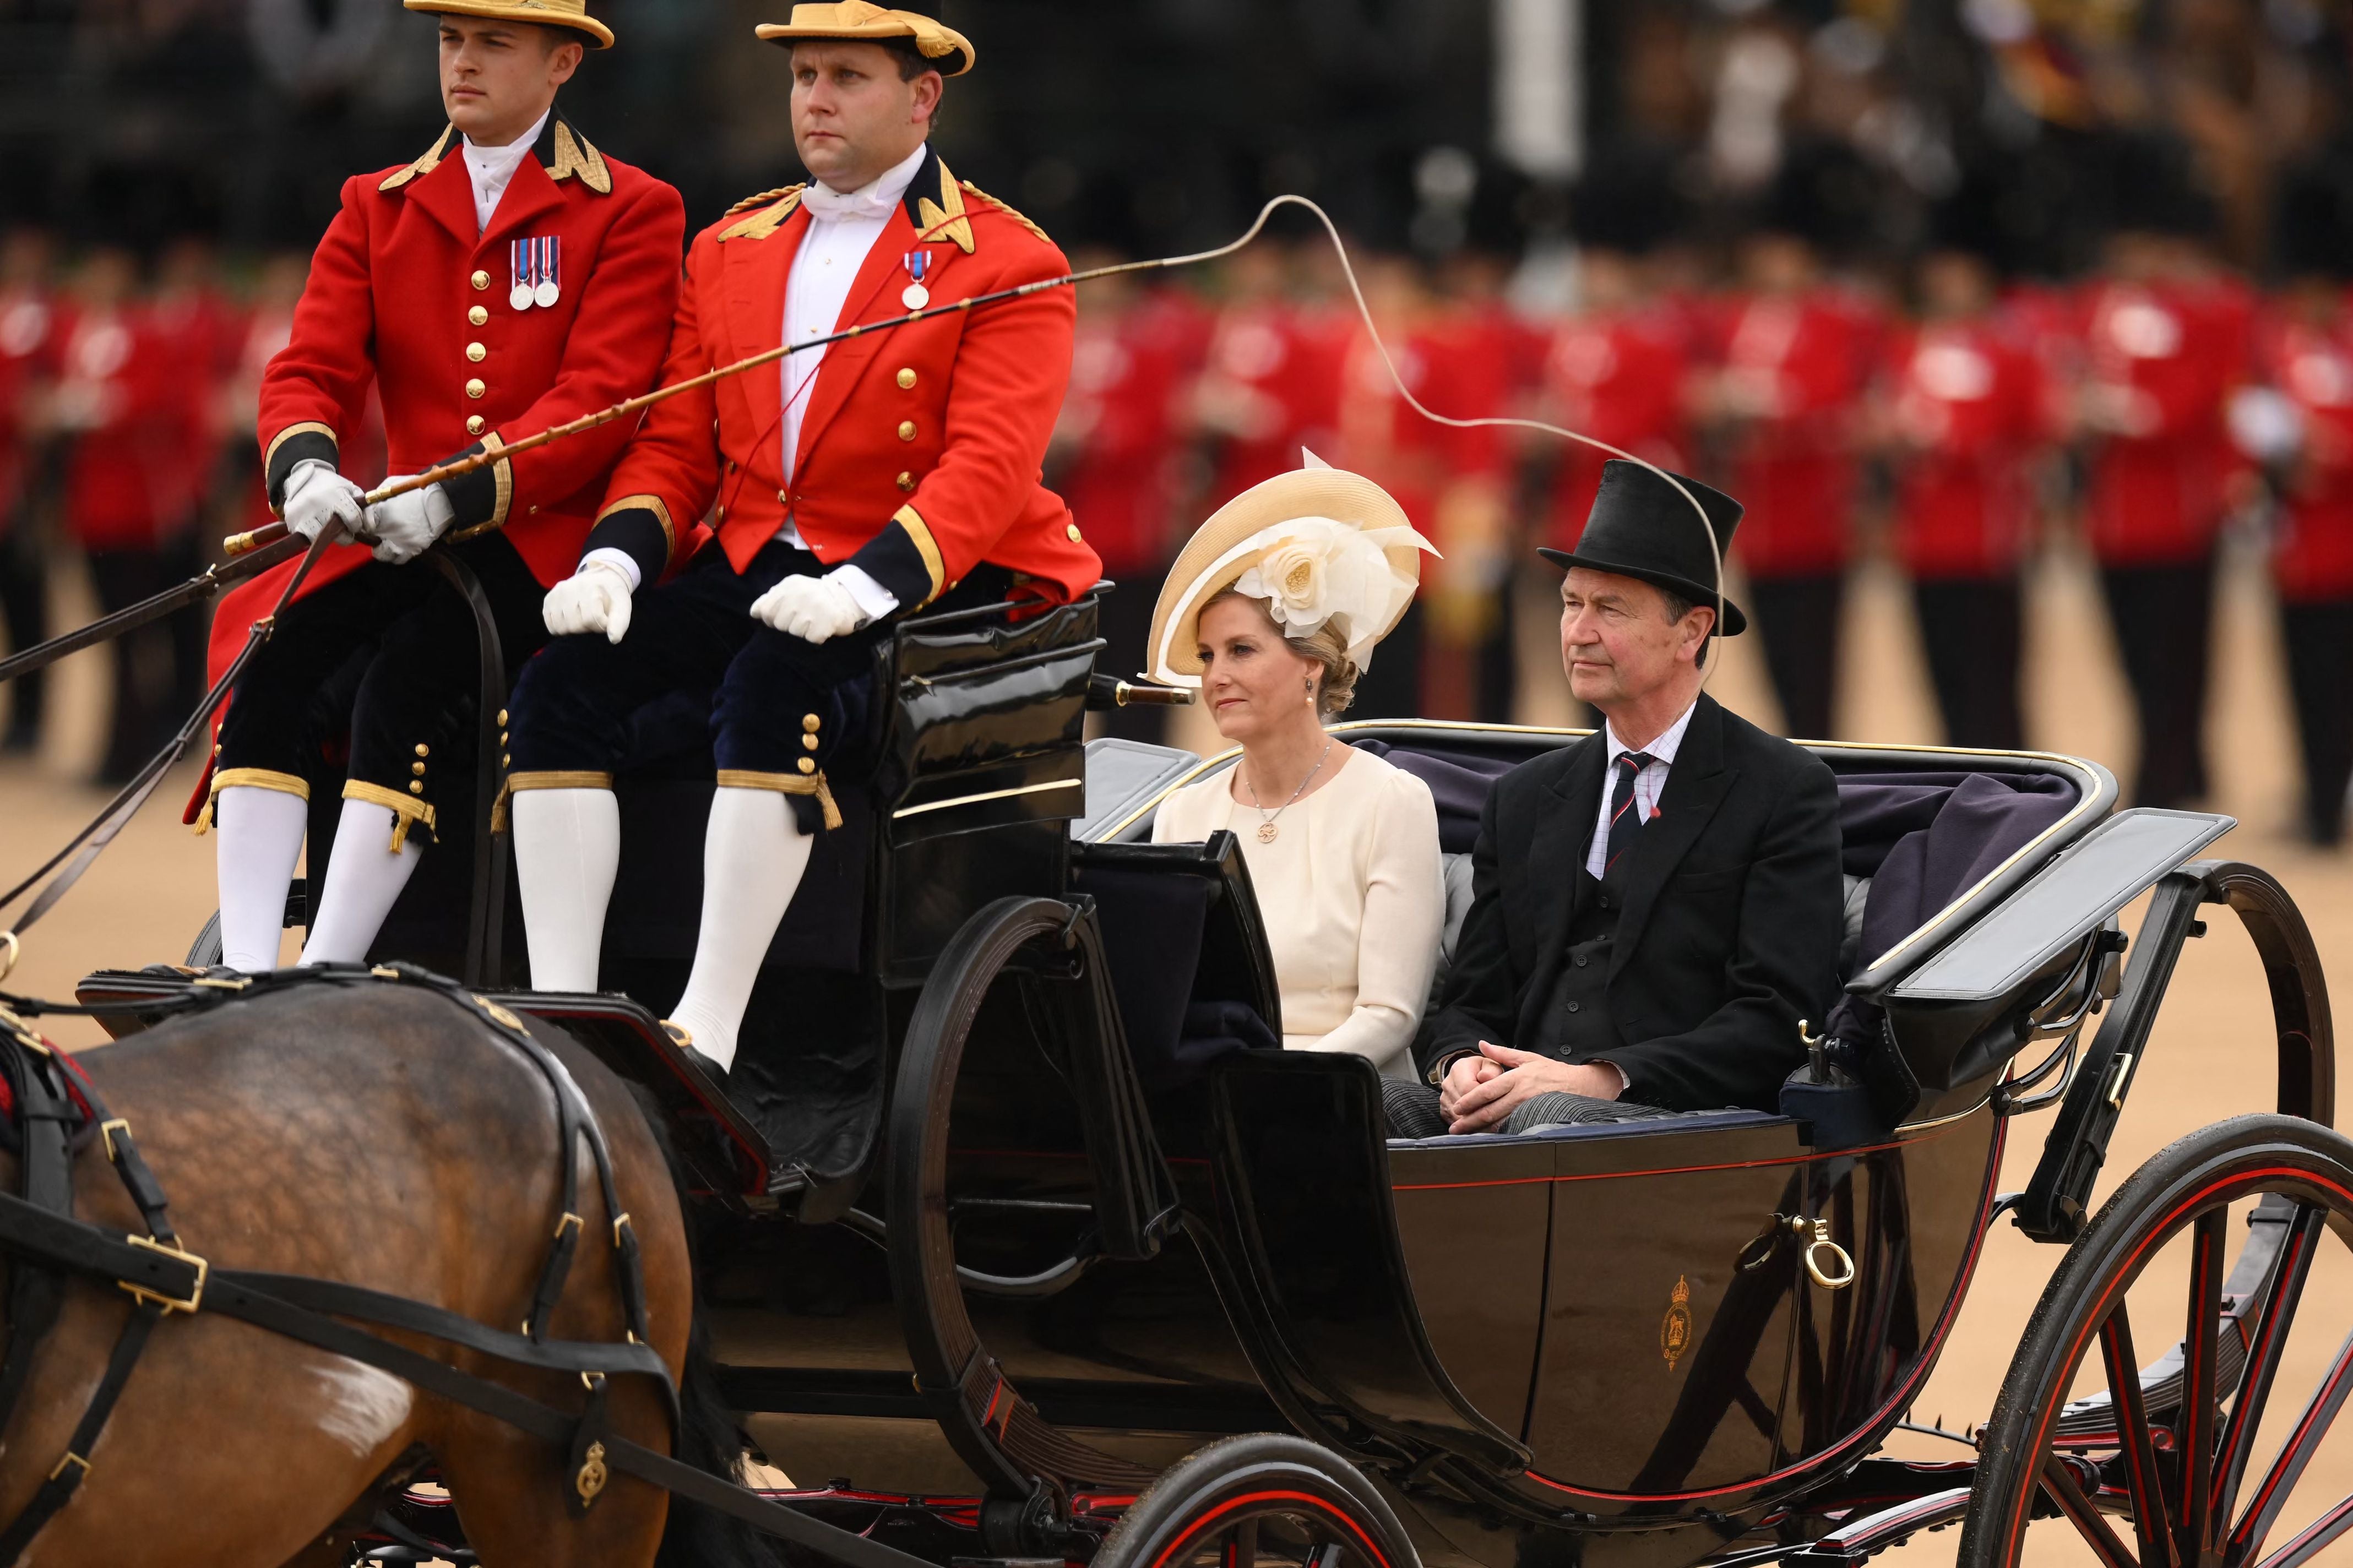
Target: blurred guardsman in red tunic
[
  {"x": 853, "y": 485},
  {"x": 1115, "y": 455},
  {"x": 1271, "y": 383},
  {"x": 199, "y": 325},
  {"x": 510, "y": 279},
  {"x": 116, "y": 402},
  {"x": 1793, "y": 358},
  {"x": 2156, "y": 371},
  {"x": 2305, "y": 358},
  {"x": 1966, "y": 411},
  {"x": 29, "y": 349}
]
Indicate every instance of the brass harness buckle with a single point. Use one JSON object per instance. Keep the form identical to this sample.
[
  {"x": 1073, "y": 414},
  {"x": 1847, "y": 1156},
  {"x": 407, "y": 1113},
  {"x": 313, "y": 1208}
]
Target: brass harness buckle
[{"x": 195, "y": 1296}]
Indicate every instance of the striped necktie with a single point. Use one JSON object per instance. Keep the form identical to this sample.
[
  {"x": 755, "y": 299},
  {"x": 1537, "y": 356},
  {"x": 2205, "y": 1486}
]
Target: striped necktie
[{"x": 1625, "y": 818}]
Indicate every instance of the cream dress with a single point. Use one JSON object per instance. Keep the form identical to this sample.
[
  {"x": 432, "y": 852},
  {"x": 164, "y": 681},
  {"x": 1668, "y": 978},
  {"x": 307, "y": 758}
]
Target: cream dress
[{"x": 1354, "y": 899}]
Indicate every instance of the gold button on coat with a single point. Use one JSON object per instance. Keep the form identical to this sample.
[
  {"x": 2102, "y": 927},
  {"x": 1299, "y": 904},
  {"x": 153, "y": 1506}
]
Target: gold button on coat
[
  {"x": 475, "y": 424},
  {"x": 1073, "y": 531},
  {"x": 416, "y": 768},
  {"x": 810, "y": 722},
  {"x": 808, "y": 743},
  {"x": 906, "y": 429},
  {"x": 477, "y": 353},
  {"x": 481, "y": 281},
  {"x": 502, "y": 715},
  {"x": 415, "y": 787},
  {"x": 423, "y": 749},
  {"x": 479, "y": 316},
  {"x": 906, "y": 482},
  {"x": 475, "y": 388},
  {"x": 808, "y": 766},
  {"x": 907, "y": 377}
]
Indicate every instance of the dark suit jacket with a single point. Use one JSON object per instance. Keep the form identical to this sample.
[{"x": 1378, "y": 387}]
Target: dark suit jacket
[{"x": 1730, "y": 931}]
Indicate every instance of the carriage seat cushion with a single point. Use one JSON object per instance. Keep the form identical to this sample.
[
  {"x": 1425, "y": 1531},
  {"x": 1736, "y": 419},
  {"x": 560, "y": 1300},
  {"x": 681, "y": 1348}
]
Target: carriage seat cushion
[{"x": 1644, "y": 1127}]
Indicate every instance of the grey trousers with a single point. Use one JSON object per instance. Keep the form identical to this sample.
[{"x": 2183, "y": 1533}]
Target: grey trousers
[{"x": 1412, "y": 1109}]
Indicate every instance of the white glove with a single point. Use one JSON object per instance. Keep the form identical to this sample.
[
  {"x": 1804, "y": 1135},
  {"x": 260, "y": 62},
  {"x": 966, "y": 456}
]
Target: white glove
[
  {"x": 406, "y": 525},
  {"x": 815, "y": 609},
  {"x": 594, "y": 599},
  {"x": 315, "y": 494}
]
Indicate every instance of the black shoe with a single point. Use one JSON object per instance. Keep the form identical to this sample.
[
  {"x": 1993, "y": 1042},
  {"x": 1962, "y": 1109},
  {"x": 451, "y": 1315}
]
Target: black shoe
[{"x": 683, "y": 1039}]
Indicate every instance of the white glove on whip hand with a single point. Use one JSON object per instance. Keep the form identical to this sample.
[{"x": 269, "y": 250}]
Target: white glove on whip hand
[
  {"x": 316, "y": 494},
  {"x": 594, "y": 599},
  {"x": 815, "y": 609},
  {"x": 406, "y": 525}
]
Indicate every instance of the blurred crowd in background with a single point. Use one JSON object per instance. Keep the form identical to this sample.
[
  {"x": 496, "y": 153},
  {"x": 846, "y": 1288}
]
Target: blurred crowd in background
[{"x": 1949, "y": 283}]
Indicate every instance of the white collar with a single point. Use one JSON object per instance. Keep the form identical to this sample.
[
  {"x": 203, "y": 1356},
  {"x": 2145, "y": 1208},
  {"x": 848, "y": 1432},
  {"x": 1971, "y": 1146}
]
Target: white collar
[
  {"x": 507, "y": 159},
  {"x": 873, "y": 199},
  {"x": 1662, "y": 750}
]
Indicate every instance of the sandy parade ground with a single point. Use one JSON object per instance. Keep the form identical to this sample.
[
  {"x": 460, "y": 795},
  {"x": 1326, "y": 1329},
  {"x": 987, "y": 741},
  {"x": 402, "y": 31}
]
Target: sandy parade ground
[{"x": 2211, "y": 1055}]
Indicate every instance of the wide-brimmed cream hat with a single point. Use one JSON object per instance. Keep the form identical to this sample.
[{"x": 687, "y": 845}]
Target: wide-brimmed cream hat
[
  {"x": 572, "y": 13},
  {"x": 1315, "y": 545},
  {"x": 859, "y": 22}
]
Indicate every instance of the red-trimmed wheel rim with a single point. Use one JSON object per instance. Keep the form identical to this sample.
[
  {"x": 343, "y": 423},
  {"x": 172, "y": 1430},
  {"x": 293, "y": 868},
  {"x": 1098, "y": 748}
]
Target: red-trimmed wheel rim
[
  {"x": 1265, "y": 1499},
  {"x": 2178, "y": 1394}
]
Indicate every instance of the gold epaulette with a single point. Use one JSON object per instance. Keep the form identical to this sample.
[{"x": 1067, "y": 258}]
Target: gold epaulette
[
  {"x": 575, "y": 155},
  {"x": 774, "y": 206},
  {"x": 1008, "y": 211},
  {"x": 430, "y": 161}
]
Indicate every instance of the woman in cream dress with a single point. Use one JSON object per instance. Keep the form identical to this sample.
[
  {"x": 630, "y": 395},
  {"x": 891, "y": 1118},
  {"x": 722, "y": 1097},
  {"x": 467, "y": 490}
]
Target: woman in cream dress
[{"x": 1272, "y": 611}]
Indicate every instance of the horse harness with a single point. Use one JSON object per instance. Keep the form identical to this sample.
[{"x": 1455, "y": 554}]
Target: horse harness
[{"x": 56, "y": 1113}]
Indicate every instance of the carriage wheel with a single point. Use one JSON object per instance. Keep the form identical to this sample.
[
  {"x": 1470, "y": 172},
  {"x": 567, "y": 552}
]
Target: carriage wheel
[
  {"x": 1264, "y": 1498},
  {"x": 2191, "y": 1460}
]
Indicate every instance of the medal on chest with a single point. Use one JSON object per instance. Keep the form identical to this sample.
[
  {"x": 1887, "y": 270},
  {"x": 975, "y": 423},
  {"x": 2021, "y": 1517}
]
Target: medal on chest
[
  {"x": 537, "y": 265},
  {"x": 914, "y": 296}
]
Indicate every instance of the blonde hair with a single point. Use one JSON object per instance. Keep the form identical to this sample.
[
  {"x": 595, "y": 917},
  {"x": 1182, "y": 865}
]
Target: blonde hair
[{"x": 1325, "y": 647}]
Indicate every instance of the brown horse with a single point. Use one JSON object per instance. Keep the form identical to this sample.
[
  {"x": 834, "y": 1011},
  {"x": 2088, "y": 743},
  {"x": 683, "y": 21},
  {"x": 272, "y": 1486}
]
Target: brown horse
[{"x": 379, "y": 1135}]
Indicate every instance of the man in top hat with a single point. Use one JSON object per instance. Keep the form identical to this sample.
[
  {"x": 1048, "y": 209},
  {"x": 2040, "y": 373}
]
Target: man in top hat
[
  {"x": 847, "y": 487},
  {"x": 1656, "y": 907},
  {"x": 512, "y": 278}
]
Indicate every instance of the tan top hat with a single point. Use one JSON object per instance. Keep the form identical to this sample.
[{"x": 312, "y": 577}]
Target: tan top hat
[
  {"x": 858, "y": 21},
  {"x": 1313, "y": 545},
  {"x": 572, "y": 13}
]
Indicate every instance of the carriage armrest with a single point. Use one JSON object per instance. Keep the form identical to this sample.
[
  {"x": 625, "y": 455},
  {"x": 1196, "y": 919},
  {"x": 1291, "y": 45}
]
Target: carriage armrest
[
  {"x": 2066, "y": 902},
  {"x": 1123, "y": 778}
]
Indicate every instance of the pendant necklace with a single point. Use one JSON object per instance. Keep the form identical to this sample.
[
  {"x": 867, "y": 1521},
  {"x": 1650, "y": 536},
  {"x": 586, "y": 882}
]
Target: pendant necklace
[{"x": 1267, "y": 830}]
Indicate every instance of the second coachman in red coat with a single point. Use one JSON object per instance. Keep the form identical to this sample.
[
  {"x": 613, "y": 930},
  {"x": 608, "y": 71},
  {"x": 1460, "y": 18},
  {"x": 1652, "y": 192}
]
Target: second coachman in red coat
[{"x": 845, "y": 487}]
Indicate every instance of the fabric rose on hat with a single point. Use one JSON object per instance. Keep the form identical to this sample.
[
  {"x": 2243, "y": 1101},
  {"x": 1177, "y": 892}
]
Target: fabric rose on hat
[{"x": 1311, "y": 570}]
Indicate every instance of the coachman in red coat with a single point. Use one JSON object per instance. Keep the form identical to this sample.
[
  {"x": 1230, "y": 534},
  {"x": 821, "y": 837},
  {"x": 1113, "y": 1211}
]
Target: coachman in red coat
[
  {"x": 484, "y": 291},
  {"x": 843, "y": 487}
]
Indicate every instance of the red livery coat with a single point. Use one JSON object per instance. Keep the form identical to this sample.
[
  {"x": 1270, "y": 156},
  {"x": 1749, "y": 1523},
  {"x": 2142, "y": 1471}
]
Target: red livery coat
[
  {"x": 921, "y": 446},
  {"x": 1969, "y": 405},
  {"x": 118, "y": 386},
  {"x": 2163, "y": 361},
  {"x": 2312, "y": 365},
  {"x": 395, "y": 288},
  {"x": 408, "y": 299}
]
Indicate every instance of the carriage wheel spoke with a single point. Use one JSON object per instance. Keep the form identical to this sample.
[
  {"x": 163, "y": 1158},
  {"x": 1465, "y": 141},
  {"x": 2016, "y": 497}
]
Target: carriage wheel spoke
[
  {"x": 1241, "y": 1544},
  {"x": 2269, "y": 1343},
  {"x": 2193, "y": 1424},
  {"x": 2322, "y": 1533},
  {"x": 2151, "y": 1520},
  {"x": 2264, "y": 1509},
  {"x": 2059, "y": 1482}
]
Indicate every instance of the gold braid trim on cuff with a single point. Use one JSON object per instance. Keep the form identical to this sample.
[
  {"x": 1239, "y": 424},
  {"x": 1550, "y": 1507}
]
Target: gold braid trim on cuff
[
  {"x": 654, "y": 504},
  {"x": 920, "y": 533},
  {"x": 502, "y": 498},
  {"x": 785, "y": 783},
  {"x": 517, "y": 783},
  {"x": 406, "y": 810},
  {"x": 307, "y": 427},
  {"x": 246, "y": 778}
]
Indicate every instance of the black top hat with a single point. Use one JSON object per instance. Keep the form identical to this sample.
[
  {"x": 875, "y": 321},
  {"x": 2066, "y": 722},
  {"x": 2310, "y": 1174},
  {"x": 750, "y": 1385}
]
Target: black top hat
[{"x": 1640, "y": 528}]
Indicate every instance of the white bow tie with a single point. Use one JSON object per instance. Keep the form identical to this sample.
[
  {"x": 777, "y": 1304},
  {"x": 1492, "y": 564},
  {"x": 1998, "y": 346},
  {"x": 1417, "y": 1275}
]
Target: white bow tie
[{"x": 826, "y": 205}]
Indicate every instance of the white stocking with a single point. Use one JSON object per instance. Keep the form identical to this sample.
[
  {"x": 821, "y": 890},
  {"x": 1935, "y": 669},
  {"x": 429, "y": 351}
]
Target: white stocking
[
  {"x": 261, "y": 838},
  {"x": 363, "y": 880},
  {"x": 752, "y": 858},
  {"x": 567, "y": 849}
]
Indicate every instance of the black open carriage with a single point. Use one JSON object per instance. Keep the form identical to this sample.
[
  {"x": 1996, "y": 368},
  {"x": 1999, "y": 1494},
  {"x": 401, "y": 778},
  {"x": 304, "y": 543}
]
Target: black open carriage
[{"x": 1018, "y": 1249}]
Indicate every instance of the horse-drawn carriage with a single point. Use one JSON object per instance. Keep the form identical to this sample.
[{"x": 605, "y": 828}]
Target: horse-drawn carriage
[{"x": 1020, "y": 1244}]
